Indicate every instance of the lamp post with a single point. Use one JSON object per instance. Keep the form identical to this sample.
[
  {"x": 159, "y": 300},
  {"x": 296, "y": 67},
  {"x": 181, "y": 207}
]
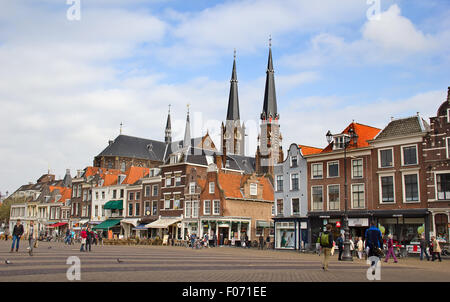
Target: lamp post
[{"x": 351, "y": 135}]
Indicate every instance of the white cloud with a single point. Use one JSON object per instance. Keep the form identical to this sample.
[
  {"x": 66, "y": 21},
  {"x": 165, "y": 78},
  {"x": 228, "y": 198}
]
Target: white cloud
[{"x": 392, "y": 38}]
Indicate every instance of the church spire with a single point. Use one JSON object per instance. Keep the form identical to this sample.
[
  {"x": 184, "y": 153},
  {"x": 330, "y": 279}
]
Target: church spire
[
  {"x": 168, "y": 136},
  {"x": 187, "y": 131},
  {"x": 233, "y": 100},
  {"x": 270, "y": 98}
]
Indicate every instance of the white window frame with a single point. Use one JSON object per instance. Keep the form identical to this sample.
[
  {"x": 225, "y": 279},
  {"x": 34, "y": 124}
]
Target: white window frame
[
  {"x": 404, "y": 186},
  {"x": 273, "y": 210},
  {"x": 192, "y": 186},
  {"x": 153, "y": 190},
  {"x": 296, "y": 157},
  {"x": 179, "y": 201},
  {"x": 149, "y": 190},
  {"x": 328, "y": 197},
  {"x": 204, "y": 207},
  {"x": 156, "y": 209},
  {"x": 448, "y": 115},
  {"x": 195, "y": 208},
  {"x": 312, "y": 199},
  {"x": 364, "y": 194},
  {"x": 436, "y": 186},
  {"x": 447, "y": 146},
  {"x": 298, "y": 181},
  {"x": 402, "y": 156},
  {"x": 254, "y": 188},
  {"x": 214, "y": 207},
  {"x": 168, "y": 181},
  {"x": 362, "y": 167},
  {"x": 328, "y": 169},
  {"x": 188, "y": 209},
  {"x": 276, "y": 182},
  {"x": 312, "y": 171},
  {"x": 211, "y": 187},
  {"x": 292, "y": 206},
  {"x": 380, "y": 188},
  {"x": 165, "y": 203},
  {"x": 379, "y": 158},
  {"x": 136, "y": 208}
]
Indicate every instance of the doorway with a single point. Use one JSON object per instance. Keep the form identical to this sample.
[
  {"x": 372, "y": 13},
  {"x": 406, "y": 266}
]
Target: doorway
[{"x": 223, "y": 234}]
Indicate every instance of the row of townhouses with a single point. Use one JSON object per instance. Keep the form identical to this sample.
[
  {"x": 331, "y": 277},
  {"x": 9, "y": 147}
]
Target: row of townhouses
[{"x": 397, "y": 176}]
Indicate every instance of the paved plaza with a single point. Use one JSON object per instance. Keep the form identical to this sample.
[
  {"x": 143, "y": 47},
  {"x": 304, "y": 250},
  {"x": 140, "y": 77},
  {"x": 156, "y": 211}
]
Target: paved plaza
[{"x": 180, "y": 264}]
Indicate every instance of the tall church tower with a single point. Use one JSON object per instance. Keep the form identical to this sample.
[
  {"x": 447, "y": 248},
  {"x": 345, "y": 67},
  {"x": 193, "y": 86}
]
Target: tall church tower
[
  {"x": 269, "y": 150},
  {"x": 168, "y": 133},
  {"x": 233, "y": 133}
]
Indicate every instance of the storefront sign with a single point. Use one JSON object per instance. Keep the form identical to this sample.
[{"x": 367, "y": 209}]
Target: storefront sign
[
  {"x": 324, "y": 216},
  {"x": 338, "y": 224},
  {"x": 397, "y": 215},
  {"x": 358, "y": 222},
  {"x": 303, "y": 225}
]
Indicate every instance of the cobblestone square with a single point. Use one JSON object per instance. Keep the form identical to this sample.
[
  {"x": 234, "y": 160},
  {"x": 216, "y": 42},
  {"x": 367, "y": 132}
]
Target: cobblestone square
[{"x": 180, "y": 264}]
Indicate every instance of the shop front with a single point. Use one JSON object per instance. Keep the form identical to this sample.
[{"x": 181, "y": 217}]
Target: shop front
[
  {"x": 111, "y": 228},
  {"x": 358, "y": 223},
  {"x": 441, "y": 225},
  {"x": 166, "y": 227},
  {"x": 291, "y": 233},
  {"x": 229, "y": 231}
]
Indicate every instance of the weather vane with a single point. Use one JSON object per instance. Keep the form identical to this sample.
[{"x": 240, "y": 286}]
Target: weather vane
[
  {"x": 270, "y": 40},
  {"x": 121, "y": 127}
]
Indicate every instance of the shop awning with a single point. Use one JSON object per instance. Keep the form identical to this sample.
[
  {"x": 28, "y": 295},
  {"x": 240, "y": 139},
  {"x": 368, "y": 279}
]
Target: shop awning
[
  {"x": 162, "y": 223},
  {"x": 114, "y": 205},
  {"x": 83, "y": 221},
  {"x": 262, "y": 224},
  {"x": 107, "y": 224},
  {"x": 57, "y": 224},
  {"x": 142, "y": 226},
  {"x": 132, "y": 221}
]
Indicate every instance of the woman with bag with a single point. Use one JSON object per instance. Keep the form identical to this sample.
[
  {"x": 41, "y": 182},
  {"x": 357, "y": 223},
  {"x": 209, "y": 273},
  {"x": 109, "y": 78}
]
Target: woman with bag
[
  {"x": 83, "y": 239},
  {"x": 436, "y": 249},
  {"x": 360, "y": 247}
]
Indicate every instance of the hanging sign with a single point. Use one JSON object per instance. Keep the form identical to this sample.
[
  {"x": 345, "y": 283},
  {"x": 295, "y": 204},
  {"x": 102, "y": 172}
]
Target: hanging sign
[{"x": 338, "y": 224}]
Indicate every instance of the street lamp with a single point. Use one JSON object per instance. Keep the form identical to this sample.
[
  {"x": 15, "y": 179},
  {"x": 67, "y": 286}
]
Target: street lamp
[{"x": 351, "y": 136}]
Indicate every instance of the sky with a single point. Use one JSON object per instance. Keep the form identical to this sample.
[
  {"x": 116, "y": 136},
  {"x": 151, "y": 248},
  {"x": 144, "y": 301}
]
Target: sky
[{"x": 72, "y": 70}]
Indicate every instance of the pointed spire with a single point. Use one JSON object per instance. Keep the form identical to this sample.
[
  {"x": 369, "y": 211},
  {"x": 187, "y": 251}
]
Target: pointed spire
[
  {"x": 168, "y": 136},
  {"x": 270, "y": 98},
  {"x": 233, "y": 99},
  {"x": 187, "y": 131}
]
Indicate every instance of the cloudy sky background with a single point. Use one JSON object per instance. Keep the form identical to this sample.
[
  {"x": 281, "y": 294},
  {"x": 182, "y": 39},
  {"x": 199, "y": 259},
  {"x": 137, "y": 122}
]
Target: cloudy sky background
[{"x": 65, "y": 86}]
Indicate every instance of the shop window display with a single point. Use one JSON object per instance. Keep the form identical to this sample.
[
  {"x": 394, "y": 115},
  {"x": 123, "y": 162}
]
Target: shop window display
[{"x": 285, "y": 235}]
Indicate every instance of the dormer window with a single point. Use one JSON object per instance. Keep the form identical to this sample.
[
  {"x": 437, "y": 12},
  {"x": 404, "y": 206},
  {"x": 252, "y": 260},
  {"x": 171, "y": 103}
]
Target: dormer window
[
  {"x": 293, "y": 161},
  {"x": 339, "y": 141},
  {"x": 253, "y": 189}
]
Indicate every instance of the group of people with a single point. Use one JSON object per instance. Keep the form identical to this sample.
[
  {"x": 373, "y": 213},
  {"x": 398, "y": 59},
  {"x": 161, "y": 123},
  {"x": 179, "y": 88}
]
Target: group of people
[
  {"x": 17, "y": 234},
  {"x": 88, "y": 238},
  {"x": 199, "y": 242},
  {"x": 372, "y": 246}
]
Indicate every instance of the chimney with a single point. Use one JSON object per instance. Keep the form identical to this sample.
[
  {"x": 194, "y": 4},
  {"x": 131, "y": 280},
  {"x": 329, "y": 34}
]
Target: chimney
[
  {"x": 110, "y": 142},
  {"x": 219, "y": 162},
  {"x": 448, "y": 95}
]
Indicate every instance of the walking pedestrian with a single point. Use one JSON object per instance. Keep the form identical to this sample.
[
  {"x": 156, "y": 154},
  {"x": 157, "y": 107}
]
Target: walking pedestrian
[
  {"x": 436, "y": 249},
  {"x": 89, "y": 238},
  {"x": 31, "y": 237},
  {"x": 100, "y": 238},
  {"x": 261, "y": 242},
  {"x": 360, "y": 247},
  {"x": 390, "y": 246},
  {"x": 215, "y": 239},
  {"x": 192, "y": 240},
  {"x": 352, "y": 247},
  {"x": 247, "y": 242},
  {"x": 340, "y": 245},
  {"x": 268, "y": 242},
  {"x": 318, "y": 248},
  {"x": 17, "y": 234},
  {"x": 67, "y": 239},
  {"x": 326, "y": 242},
  {"x": 423, "y": 248},
  {"x": 374, "y": 243},
  {"x": 6, "y": 234},
  {"x": 83, "y": 236}
]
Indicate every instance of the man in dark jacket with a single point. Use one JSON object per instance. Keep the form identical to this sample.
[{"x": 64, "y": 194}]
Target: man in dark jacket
[
  {"x": 17, "y": 234},
  {"x": 423, "y": 248},
  {"x": 326, "y": 242},
  {"x": 88, "y": 239},
  {"x": 340, "y": 245},
  {"x": 374, "y": 239}
]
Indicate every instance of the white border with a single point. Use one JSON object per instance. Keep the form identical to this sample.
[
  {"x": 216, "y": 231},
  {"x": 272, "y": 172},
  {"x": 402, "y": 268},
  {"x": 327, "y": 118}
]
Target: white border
[
  {"x": 404, "y": 188},
  {"x": 379, "y": 158},
  {"x": 402, "y": 156},
  {"x": 361, "y": 166},
  {"x": 312, "y": 199},
  {"x": 364, "y": 194},
  {"x": 380, "y": 192},
  {"x": 312, "y": 170},
  {"x": 328, "y": 197},
  {"x": 328, "y": 170}
]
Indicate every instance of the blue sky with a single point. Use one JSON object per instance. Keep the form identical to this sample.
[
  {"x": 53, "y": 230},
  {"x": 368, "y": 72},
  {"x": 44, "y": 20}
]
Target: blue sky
[{"x": 65, "y": 86}]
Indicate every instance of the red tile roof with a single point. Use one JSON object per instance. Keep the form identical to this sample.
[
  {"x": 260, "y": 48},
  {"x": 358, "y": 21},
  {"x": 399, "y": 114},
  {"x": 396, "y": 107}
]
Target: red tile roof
[
  {"x": 231, "y": 185},
  {"x": 308, "y": 150},
  {"x": 134, "y": 174},
  {"x": 365, "y": 133},
  {"x": 66, "y": 193}
]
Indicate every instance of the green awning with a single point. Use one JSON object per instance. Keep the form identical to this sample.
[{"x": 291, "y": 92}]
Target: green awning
[
  {"x": 114, "y": 205},
  {"x": 262, "y": 224},
  {"x": 107, "y": 224}
]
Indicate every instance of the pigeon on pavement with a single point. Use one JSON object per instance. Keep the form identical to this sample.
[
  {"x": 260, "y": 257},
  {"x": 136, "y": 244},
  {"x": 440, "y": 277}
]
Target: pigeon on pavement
[
  {"x": 7, "y": 261},
  {"x": 119, "y": 261}
]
